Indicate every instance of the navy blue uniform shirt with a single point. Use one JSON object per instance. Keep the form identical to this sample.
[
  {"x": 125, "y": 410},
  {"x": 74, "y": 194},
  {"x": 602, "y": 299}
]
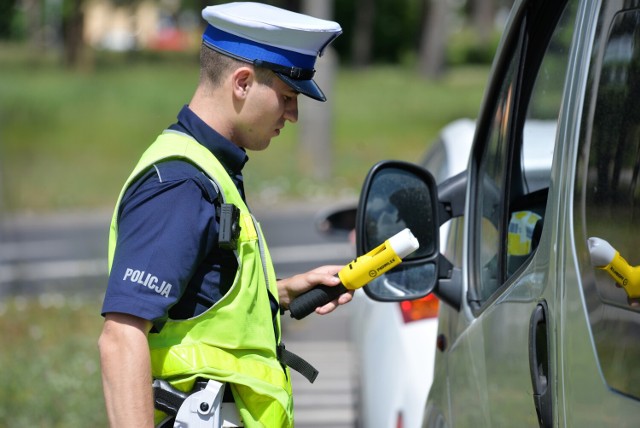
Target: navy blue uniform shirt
[{"x": 167, "y": 261}]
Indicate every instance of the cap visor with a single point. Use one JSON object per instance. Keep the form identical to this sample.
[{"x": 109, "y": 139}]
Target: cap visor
[{"x": 305, "y": 87}]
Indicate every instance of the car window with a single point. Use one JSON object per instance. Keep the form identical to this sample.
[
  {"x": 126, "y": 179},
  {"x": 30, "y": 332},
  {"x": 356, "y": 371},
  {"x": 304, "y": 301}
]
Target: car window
[
  {"x": 515, "y": 165},
  {"x": 607, "y": 193}
]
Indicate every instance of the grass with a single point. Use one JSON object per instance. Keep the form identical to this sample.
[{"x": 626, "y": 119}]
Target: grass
[
  {"x": 69, "y": 139},
  {"x": 50, "y": 373}
]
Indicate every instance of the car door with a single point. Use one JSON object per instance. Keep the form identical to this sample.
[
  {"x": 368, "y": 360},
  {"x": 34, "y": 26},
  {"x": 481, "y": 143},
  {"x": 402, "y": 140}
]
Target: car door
[
  {"x": 508, "y": 294},
  {"x": 598, "y": 341}
]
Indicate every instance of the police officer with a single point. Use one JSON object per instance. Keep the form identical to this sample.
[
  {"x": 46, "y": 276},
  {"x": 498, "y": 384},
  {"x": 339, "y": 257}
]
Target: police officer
[{"x": 192, "y": 293}]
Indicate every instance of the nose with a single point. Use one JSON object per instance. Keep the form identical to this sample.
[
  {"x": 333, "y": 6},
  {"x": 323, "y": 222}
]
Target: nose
[{"x": 291, "y": 110}]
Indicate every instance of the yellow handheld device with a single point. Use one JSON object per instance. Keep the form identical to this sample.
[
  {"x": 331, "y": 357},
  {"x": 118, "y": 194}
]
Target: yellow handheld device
[
  {"x": 358, "y": 273},
  {"x": 605, "y": 257}
]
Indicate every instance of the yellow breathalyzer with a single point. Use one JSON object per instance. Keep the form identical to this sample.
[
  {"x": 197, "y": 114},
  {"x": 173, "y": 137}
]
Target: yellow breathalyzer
[
  {"x": 605, "y": 257},
  {"x": 358, "y": 273}
]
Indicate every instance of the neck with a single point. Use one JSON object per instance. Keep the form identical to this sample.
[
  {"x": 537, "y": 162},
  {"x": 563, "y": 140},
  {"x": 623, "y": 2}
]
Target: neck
[{"x": 208, "y": 105}]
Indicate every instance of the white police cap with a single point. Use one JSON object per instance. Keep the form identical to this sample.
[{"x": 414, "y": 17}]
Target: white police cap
[{"x": 266, "y": 36}]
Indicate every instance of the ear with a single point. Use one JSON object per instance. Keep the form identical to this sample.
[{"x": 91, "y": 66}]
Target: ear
[{"x": 241, "y": 81}]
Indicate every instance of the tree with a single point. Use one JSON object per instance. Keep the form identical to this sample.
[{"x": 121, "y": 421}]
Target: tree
[
  {"x": 73, "y": 33},
  {"x": 431, "y": 56},
  {"x": 363, "y": 32},
  {"x": 483, "y": 14}
]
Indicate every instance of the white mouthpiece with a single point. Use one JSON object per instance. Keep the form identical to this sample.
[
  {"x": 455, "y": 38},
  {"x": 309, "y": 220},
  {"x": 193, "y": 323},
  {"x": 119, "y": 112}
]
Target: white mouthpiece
[
  {"x": 602, "y": 253},
  {"x": 404, "y": 243}
]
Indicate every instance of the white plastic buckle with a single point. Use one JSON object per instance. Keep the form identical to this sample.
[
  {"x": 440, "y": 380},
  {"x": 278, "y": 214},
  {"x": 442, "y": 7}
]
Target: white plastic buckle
[{"x": 205, "y": 409}]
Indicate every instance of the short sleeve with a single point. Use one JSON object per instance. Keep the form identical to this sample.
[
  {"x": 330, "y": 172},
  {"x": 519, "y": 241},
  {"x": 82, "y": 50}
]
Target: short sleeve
[{"x": 167, "y": 225}]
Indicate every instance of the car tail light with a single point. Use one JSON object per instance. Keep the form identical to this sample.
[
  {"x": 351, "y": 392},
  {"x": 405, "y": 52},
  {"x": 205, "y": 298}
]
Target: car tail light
[{"x": 415, "y": 310}]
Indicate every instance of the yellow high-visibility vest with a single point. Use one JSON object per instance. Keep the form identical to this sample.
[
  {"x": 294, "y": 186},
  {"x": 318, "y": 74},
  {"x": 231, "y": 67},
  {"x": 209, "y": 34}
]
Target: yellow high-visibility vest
[{"x": 235, "y": 340}]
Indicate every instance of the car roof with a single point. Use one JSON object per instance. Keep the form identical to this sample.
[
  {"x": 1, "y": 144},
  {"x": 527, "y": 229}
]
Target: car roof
[
  {"x": 452, "y": 146},
  {"x": 458, "y": 140}
]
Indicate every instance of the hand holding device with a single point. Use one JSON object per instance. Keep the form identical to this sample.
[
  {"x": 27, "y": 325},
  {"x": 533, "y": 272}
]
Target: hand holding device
[{"x": 358, "y": 273}]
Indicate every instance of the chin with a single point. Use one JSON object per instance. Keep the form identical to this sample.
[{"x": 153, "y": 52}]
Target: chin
[{"x": 260, "y": 147}]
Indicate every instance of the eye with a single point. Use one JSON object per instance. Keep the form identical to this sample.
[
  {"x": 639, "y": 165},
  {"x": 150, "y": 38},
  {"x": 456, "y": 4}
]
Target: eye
[{"x": 289, "y": 97}]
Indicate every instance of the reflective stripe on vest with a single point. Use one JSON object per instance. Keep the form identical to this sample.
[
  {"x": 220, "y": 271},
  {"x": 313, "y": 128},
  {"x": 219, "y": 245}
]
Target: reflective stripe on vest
[{"x": 234, "y": 341}]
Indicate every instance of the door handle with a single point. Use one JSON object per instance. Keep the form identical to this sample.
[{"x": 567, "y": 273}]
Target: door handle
[{"x": 539, "y": 364}]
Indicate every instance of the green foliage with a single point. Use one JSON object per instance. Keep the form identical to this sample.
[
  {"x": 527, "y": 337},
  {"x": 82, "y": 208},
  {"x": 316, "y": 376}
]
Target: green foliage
[
  {"x": 465, "y": 48},
  {"x": 7, "y": 12},
  {"x": 396, "y": 28},
  {"x": 68, "y": 140}
]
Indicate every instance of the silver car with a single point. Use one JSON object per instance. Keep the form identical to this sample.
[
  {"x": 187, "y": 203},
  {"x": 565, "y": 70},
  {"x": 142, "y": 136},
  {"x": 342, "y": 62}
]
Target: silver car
[{"x": 530, "y": 333}]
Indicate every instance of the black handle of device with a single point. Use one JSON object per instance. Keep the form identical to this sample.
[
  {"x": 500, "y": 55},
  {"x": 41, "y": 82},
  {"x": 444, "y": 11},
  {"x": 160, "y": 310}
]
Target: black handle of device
[{"x": 307, "y": 302}]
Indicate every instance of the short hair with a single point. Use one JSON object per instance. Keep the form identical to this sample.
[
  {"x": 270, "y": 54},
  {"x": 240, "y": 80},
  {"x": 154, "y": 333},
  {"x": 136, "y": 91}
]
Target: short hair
[{"x": 214, "y": 67}]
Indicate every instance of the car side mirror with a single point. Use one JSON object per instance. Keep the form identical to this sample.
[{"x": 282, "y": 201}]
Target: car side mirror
[{"x": 398, "y": 195}]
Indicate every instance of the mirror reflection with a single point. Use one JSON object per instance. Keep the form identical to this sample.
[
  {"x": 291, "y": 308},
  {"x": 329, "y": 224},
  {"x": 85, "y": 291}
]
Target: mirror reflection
[
  {"x": 404, "y": 282},
  {"x": 398, "y": 199}
]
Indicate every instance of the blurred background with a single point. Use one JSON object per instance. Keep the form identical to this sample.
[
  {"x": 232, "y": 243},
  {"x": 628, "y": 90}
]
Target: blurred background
[{"x": 87, "y": 85}]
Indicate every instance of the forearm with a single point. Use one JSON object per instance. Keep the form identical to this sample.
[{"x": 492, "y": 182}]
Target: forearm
[{"x": 126, "y": 375}]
